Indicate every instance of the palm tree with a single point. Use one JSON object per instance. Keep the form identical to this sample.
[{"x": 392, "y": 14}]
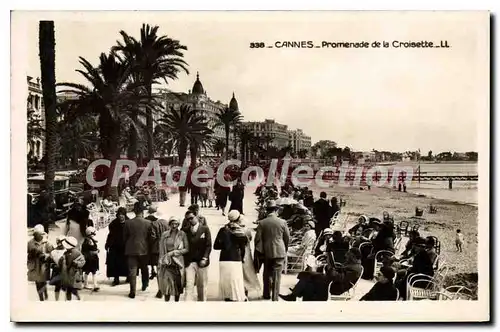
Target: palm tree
[
  {"x": 218, "y": 146},
  {"x": 47, "y": 45},
  {"x": 113, "y": 97},
  {"x": 76, "y": 137},
  {"x": 255, "y": 145},
  {"x": 228, "y": 118},
  {"x": 200, "y": 140},
  {"x": 185, "y": 127},
  {"x": 153, "y": 58},
  {"x": 162, "y": 140},
  {"x": 245, "y": 136}
]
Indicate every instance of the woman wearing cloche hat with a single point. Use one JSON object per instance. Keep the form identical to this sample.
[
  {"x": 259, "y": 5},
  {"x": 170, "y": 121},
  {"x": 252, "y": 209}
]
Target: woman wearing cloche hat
[
  {"x": 71, "y": 268},
  {"x": 231, "y": 241},
  {"x": 38, "y": 261},
  {"x": 90, "y": 252}
]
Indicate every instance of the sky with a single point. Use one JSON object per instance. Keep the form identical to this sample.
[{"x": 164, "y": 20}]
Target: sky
[{"x": 377, "y": 98}]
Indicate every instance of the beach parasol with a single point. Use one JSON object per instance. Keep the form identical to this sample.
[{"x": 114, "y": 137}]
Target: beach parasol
[{"x": 286, "y": 201}]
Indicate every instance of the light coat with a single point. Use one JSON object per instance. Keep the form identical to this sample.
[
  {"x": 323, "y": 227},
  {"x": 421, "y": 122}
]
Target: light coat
[{"x": 273, "y": 236}]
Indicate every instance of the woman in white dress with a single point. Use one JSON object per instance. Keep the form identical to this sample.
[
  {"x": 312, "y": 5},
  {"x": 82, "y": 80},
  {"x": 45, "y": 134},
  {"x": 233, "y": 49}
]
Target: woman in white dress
[{"x": 231, "y": 241}]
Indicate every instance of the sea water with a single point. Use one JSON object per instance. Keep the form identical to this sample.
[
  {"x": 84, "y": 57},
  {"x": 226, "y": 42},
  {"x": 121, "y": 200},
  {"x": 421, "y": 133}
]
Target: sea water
[{"x": 463, "y": 191}]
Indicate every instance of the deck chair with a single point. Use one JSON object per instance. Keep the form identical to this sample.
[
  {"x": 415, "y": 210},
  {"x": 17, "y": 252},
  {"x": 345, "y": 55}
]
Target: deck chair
[
  {"x": 423, "y": 287},
  {"x": 397, "y": 294},
  {"x": 414, "y": 289},
  {"x": 346, "y": 296}
]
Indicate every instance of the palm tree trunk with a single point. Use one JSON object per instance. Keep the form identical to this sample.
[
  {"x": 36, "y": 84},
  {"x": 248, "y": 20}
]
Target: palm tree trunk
[
  {"x": 149, "y": 124},
  {"x": 114, "y": 155},
  {"x": 193, "y": 151},
  {"x": 132, "y": 148},
  {"x": 47, "y": 67},
  {"x": 227, "y": 142},
  {"x": 182, "y": 153},
  {"x": 242, "y": 151},
  {"x": 235, "y": 143}
]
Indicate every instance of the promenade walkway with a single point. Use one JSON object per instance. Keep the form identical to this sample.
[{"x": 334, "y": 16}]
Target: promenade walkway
[{"x": 172, "y": 208}]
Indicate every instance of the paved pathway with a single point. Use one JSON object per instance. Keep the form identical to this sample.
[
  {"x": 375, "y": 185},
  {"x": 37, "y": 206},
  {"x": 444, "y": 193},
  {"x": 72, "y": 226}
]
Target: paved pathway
[{"x": 167, "y": 209}]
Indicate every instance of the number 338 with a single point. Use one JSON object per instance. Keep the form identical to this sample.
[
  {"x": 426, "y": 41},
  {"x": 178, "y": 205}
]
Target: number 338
[{"x": 257, "y": 45}]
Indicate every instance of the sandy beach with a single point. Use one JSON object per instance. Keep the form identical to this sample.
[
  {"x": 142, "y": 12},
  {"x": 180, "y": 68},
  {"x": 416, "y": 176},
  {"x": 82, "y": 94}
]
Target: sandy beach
[{"x": 449, "y": 217}]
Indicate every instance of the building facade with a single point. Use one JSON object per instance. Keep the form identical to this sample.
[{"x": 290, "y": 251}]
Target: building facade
[
  {"x": 36, "y": 110},
  {"x": 199, "y": 100},
  {"x": 279, "y": 135},
  {"x": 299, "y": 140},
  {"x": 276, "y": 132}
]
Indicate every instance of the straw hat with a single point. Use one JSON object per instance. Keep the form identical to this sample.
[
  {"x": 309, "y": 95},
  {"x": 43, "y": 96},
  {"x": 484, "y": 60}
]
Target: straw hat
[
  {"x": 90, "y": 231},
  {"x": 39, "y": 229},
  {"x": 233, "y": 215},
  {"x": 327, "y": 231},
  {"x": 70, "y": 242}
]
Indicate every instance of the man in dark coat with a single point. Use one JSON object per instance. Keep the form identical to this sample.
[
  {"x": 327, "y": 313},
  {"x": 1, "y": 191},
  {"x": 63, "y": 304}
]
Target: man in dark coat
[
  {"x": 197, "y": 258},
  {"x": 195, "y": 209},
  {"x": 322, "y": 213},
  {"x": 313, "y": 286},
  {"x": 309, "y": 199},
  {"x": 384, "y": 289},
  {"x": 422, "y": 264},
  {"x": 135, "y": 235},
  {"x": 236, "y": 197},
  {"x": 273, "y": 237},
  {"x": 116, "y": 260}
]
